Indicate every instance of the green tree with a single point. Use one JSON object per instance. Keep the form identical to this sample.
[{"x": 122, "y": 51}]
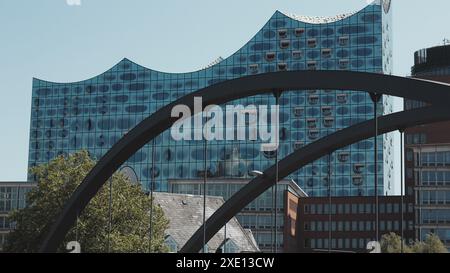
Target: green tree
[
  {"x": 392, "y": 243},
  {"x": 57, "y": 180},
  {"x": 432, "y": 244}
]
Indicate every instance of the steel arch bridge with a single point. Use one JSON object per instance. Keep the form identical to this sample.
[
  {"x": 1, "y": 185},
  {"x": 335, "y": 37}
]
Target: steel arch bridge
[{"x": 437, "y": 94}]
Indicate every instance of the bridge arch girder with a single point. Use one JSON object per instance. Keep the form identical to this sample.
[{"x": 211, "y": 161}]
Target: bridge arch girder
[
  {"x": 437, "y": 94},
  {"x": 304, "y": 156}
]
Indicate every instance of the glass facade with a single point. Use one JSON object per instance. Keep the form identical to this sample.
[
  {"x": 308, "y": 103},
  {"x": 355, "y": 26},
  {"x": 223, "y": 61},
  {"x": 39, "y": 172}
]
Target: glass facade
[
  {"x": 432, "y": 180},
  {"x": 94, "y": 114},
  {"x": 12, "y": 197},
  {"x": 428, "y": 153}
]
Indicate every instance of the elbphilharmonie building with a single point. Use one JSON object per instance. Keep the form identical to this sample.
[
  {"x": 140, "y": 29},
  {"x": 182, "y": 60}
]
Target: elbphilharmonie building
[{"x": 94, "y": 114}]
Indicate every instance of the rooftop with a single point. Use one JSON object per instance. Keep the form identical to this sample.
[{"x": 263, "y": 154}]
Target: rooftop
[
  {"x": 17, "y": 184},
  {"x": 320, "y": 19},
  {"x": 185, "y": 213},
  {"x": 329, "y": 19}
]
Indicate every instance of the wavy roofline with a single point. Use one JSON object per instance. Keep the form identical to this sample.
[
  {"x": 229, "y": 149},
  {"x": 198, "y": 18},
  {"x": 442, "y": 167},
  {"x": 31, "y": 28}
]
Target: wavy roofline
[
  {"x": 125, "y": 59},
  {"x": 327, "y": 19},
  {"x": 93, "y": 77}
]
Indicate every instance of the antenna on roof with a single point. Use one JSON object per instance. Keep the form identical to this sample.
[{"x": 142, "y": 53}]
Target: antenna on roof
[
  {"x": 213, "y": 63},
  {"x": 446, "y": 41}
]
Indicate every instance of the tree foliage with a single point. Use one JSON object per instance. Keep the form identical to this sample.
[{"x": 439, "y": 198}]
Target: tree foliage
[
  {"x": 432, "y": 244},
  {"x": 57, "y": 180},
  {"x": 391, "y": 243}
]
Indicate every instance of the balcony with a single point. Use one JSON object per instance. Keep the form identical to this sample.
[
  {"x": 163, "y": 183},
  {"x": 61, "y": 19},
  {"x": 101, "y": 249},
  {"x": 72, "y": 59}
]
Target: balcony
[
  {"x": 313, "y": 99},
  {"x": 299, "y": 32},
  {"x": 343, "y": 64},
  {"x": 343, "y": 157},
  {"x": 253, "y": 68},
  {"x": 297, "y": 54},
  {"x": 312, "y": 123},
  {"x": 270, "y": 56},
  {"x": 313, "y": 134},
  {"x": 298, "y": 145},
  {"x": 282, "y": 33},
  {"x": 298, "y": 111},
  {"x": 326, "y": 53},
  {"x": 341, "y": 98},
  {"x": 326, "y": 111},
  {"x": 284, "y": 44},
  {"x": 312, "y": 65},
  {"x": 282, "y": 66},
  {"x": 358, "y": 168},
  {"x": 357, "y": 180},
  {"x": 312, "y": 43},
  {"x": 328, "y": 122},
  {"x": 344, "y": 40}
]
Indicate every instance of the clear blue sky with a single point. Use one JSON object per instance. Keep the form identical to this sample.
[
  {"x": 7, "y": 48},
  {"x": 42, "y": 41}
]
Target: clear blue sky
[{"x": 52, "y": 40}]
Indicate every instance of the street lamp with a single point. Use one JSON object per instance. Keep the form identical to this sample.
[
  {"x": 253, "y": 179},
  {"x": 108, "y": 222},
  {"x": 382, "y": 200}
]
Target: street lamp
[
  {"x": 375, "y": 99},
  {"x": 301, "y": 190},
  {"x": 257, "y": 173}
]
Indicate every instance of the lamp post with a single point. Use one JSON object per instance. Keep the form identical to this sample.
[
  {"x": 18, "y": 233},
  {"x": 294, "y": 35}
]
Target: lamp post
[
  {"x": 151, "y": 198},
  {"x": 204, "y": 196},
  {"x": 402, "y": 150},
  {"x": 277, "y": 95},
  {"x": 257, "y": 173},
  {"x": 375, "y": 99},
  {"x": 329, "y": 203}
]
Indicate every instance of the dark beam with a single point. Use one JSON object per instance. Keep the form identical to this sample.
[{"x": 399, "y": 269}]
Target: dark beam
[{"x": 437, "y": 94}]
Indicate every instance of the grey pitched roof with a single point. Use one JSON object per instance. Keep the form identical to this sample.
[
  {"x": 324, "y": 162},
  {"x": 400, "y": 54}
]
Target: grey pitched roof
[{"x": 185, "y": 213}]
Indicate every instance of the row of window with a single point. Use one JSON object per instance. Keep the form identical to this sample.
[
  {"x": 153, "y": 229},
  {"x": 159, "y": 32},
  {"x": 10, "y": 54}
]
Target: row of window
[
  {"x": 341, "y": 243},
  {"x": 284, "y": 33},
  {"x": 354, "y": 208},
  {"x": 325, "y": 53},
  {"x": 263, "y": 203},
  {"x": 443, "y": 233},
  {"x": 312, "y": 41},
  {"x": 260, "y": 221},
  {"x": 432, "y": 159},
  {"x": 435, "y": 71},
  {"x": 344, "y": 62},
  {"x": 434, "y": 197},
  {"x": 9, "y": 200},
  {"x": 362, "y": 226},
  {"x": 121, "y": 124},
  {"x": 435, "y": 216},
  {"x": 419, "y": 138},
  {"x": 125, "y": 123},
  {"x": 56, "y": 140},
  {"x": 337, "y": 243},
  {"x": 5, "y": 223},
  {"x": 434, "y": 178},
  {"x": 285, "y": 99}
]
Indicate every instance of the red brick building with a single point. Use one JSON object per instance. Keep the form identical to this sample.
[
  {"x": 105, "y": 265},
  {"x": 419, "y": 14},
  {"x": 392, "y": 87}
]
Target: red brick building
[
  {"x": 348, "y": 224},
  {"x": 427, "y": 154}
]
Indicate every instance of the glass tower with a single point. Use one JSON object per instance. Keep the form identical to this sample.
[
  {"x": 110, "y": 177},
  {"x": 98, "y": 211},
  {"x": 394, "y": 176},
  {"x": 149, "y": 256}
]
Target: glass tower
[{"x": 94, "y": 114}]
